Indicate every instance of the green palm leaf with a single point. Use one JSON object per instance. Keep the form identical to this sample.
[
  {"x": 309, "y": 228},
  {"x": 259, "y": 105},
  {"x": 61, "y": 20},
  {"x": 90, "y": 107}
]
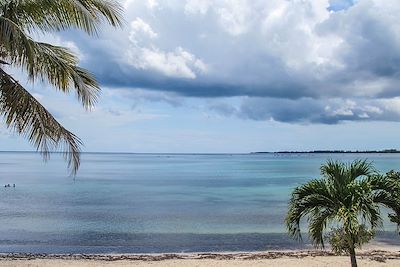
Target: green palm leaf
[
  {"x": 53, "y": 64},
  {"x": 59, "y": 15},
  {"x": 28, "y": 117}
]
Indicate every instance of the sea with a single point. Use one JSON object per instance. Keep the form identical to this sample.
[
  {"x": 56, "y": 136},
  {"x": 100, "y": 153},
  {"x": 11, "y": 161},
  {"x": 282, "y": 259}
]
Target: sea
[{"x": 158, "y": 203}]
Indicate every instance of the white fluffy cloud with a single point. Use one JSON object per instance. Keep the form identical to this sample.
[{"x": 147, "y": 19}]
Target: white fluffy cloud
[
  {"x": 144, "y": 54},
  {"x": 179, "y": 63},
  {"x": 138, "y": 26},
  {"x": 234, "y": 16}
]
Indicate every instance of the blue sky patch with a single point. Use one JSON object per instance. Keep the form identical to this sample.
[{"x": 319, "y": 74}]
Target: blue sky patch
[{"x": 338, "y": 5}]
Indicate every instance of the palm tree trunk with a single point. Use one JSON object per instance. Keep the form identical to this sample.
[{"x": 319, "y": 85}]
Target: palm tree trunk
[{"x": 353, "y": 257}]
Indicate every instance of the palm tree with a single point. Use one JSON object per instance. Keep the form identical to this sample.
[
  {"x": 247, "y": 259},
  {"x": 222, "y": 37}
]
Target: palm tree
[
  {"x": 58, "y": 66},
  {"x": 343, "y": 197}
]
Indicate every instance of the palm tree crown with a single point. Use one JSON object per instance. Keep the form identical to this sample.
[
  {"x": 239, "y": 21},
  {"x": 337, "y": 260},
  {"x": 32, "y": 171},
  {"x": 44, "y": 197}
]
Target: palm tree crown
[
  {"x": 343, "y": 197},
  {"x": 54, "y": 64}
]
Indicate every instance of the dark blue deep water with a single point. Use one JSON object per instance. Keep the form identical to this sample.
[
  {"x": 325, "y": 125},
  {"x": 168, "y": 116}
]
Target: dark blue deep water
[{"x": 144, "y": 203}]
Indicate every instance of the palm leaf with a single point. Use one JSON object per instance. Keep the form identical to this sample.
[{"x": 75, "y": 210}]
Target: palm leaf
[
  {"x": 360, "y": 168},
  {"x": 55, "y": 64},
  {"x": 59, "y": 15},
  {"x": 307, "y": 199},
  {"x": 318, "y": 223},
  {"x": 24, "y": 114}
]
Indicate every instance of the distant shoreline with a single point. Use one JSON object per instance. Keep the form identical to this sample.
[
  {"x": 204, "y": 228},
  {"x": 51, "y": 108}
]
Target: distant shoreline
[{"x": 387, "y": 151}]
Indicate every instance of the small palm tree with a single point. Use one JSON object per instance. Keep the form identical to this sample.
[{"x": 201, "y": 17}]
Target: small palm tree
[
  {"x": 19, "y": 19},
  {"x": 343, "y": 197}
]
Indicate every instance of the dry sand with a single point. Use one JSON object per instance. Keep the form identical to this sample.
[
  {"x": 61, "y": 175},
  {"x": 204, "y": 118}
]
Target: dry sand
[
  {"x": 279, "y": 259},
  {"x": 333, "y": 261}
]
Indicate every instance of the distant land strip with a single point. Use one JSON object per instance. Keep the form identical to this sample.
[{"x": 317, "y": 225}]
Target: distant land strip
[{"x": 330, "y": 151}]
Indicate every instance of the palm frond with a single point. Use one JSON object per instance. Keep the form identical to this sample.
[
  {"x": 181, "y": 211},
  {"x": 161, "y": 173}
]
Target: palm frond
[
  {"x": 360, "y": 168},
  {"x": 24, "y": 114},
  {"x": 16, "y": 46},
  {"x": 334, "y": 171},
  {"x": 59, "y": 66},
  {"x": 318, "y": 223},
  {"x": 387, "y": 193},
  {"x": 305, "y": 200},
  {"x": 55, "y": 64},
  {"x": 50, "y": 15},
  {"x": 110, "y": 10},
  {"x": 313, "y": 187},
  {"x": 366, "y": 205}
]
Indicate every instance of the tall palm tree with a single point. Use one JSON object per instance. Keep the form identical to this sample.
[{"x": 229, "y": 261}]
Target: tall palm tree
[
  {"x": 58, "y": 66},
  {"x": 343, "y": 197}
]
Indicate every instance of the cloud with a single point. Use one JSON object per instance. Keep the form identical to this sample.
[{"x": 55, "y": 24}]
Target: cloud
[
  {"x": 197, "y": 6},
  {"x": 300, "y": 58},
  {"x": 143, "y": 54},
  {"x": 152, "y": 4},
  {"x": 179, "y": 63},
  {"x": 139, "y": 26},
  {"x": 140, "y": 96},
  {"x": 233, "y": 16},
  {"x": 308, "y": 110}
]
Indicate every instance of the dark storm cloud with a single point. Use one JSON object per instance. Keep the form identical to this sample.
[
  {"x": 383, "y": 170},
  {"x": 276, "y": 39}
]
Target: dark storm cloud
[
  {"x": 308, "y": 110},
  {"x": 258, "y": 75},
  {"x": 292, "y": 61}
]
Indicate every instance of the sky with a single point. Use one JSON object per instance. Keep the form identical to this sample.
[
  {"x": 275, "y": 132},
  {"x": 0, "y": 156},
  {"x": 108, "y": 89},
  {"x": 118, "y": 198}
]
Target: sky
[{"x": 226, "y": 76}]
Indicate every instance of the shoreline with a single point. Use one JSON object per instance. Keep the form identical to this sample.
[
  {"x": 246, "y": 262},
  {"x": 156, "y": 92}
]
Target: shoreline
[
  {"x": 309, "y": 258},
  {"x": 374, "y": 254}
]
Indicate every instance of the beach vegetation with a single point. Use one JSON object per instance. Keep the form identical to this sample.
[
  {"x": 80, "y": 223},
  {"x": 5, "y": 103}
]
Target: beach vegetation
[
  {"x": 340, "y": 244},
  {"x": 345, "y": 198}
]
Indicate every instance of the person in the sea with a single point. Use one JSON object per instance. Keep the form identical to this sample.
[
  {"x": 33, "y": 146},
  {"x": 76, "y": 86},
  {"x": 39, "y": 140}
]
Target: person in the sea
[{"x": 13, "y": 185}]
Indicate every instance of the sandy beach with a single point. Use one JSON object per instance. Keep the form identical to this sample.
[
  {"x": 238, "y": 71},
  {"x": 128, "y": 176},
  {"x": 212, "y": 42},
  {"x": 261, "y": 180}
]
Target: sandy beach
[
  {"x": 281, "y": 259},
  {"x": 283, "y": 262}
]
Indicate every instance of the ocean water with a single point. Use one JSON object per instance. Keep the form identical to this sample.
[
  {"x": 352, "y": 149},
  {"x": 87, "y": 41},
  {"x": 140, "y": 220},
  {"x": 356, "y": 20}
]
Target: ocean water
[{"x": 149, "y": 203}]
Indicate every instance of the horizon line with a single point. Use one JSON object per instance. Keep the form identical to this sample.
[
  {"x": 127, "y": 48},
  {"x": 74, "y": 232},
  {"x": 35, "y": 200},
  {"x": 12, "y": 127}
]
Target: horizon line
[{"x": 317, "y": 151}]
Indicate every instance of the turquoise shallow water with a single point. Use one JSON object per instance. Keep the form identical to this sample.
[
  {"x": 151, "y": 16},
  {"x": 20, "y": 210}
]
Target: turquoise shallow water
[{"x": 156, "y": 202}]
